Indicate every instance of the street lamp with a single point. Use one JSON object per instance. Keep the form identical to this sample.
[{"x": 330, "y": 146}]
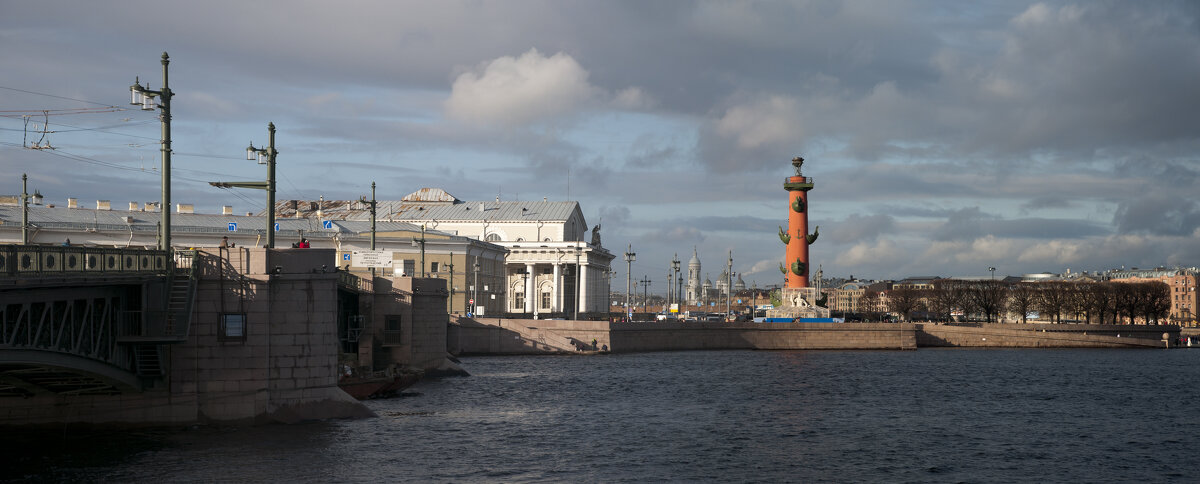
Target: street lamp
[
  {"x": 143, "y": 95},
  {"x": 578, "y": 252},
  {"x": 630, "y": 256},
  {"x": 645, "y": 292},
  {"x": 264, "y": 156},
  {"x": 475, "y": 289},
  {"x": 421, "y": 243},
  {"x": 678, "y": 283},
  {"x": 728, "y": 284},
  {"x": 993, "y": 269}
]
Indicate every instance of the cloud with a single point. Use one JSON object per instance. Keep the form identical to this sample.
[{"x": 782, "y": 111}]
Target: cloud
[
  {"x": 1157, "y": 214},
  {"x": 881, "y": 253},
  {"x": 860, "y": 228},
  {"x": 520, "y": 90}
]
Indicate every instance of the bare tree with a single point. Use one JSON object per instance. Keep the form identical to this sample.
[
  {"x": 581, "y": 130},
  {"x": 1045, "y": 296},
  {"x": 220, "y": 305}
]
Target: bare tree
[
  {"x": 989, "y": 297},
  {"x": 946, "y": 296},
  {"x": 869, "y": 303},
  {"x": 1052, "y": 299},
  {"x": 905, "y": 301},
  {"x": 1154, "y": 300},
  {"x": 1022, "y": 297},
  {"x": 1125, "y": 300}
]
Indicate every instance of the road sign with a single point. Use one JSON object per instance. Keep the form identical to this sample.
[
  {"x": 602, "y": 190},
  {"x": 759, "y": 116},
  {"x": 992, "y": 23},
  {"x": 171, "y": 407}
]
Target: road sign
[
  {"x": 233, "y": 226},
  {"x": 276, "y": 226},
  {"x": 472, "y": 301},
  {"x": 327, "y": 224},
  {"x": 346, "y": 257},
  {"x": 371, "y": 258}
]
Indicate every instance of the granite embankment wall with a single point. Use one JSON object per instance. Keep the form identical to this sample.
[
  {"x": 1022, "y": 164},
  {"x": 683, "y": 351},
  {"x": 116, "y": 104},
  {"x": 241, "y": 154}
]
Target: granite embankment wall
[
  {"x": 509, "y": 336},
  {"x": 1043, "y": 335}
]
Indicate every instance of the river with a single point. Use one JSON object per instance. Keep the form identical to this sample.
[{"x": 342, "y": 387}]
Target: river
[{"x": 932, "y": 415}]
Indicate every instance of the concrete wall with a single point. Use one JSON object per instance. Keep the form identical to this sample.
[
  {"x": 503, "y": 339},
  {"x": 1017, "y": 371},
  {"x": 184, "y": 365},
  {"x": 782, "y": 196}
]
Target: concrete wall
[{"x": 1043, "y": 336}]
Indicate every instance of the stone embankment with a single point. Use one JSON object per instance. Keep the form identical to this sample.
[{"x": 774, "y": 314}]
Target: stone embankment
[{"x": 527, "y": 336}]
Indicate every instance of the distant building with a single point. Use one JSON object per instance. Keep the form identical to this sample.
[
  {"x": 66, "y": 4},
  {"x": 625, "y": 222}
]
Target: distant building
[
  {"x": 553, "y": 266},
  {"x": 1182, "y": 282}
]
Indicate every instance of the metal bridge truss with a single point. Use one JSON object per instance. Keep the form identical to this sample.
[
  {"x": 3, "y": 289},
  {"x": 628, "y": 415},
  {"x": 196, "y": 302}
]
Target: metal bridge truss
[{"x": 64, "y": 341}]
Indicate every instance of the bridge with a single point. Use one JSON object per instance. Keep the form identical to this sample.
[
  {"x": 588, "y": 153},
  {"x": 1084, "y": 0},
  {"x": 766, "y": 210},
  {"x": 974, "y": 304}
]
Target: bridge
[{"x": 88, "y": 320}]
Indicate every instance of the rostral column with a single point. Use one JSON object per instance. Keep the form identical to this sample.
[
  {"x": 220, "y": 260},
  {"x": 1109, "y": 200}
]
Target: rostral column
[{"x": 797, "y": 237}]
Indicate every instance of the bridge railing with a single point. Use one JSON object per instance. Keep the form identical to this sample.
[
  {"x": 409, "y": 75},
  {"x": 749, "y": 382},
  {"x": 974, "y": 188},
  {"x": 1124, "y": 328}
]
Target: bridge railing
[{"x": 44, "y": 260}]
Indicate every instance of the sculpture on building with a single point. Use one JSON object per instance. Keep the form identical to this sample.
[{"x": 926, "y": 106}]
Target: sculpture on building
[{"x": 596, "y": 235}]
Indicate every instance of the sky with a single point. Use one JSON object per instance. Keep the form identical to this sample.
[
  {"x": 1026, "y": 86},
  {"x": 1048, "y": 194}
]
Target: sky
[{"x": 943, "y": 137}]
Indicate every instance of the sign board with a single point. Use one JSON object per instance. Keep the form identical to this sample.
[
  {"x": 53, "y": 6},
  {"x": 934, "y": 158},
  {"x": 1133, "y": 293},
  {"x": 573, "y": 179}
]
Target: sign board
[
  {"x": 472, "y": 301},
  {"x": 327, "y": 224},
  {"x": 346, "y": 257},
  {"x": 233, "y": 226},
  {"x": 674, "y": 308},
  {"x": 276, "y": 226},
  {"x": 371, "y": 258}
]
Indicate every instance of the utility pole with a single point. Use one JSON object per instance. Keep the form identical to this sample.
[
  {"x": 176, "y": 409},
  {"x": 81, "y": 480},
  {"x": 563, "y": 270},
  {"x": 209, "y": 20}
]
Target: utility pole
[
  {"x": 578, "y": 252},
  {"x": 475, "y": 288},
  {"x": 728, "y": 283},
  {"x": 371, "y": 204},
  {"x": 264, "y": 156},
  {"x": 145, "y": 97},
  {"x": 24, "y": 210},
  {"x": 645, "y": 291},
  {"x": 630, "y": 256}
]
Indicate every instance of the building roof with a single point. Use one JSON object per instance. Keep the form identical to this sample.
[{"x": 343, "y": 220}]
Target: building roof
[{"x": 431, "y": 204}]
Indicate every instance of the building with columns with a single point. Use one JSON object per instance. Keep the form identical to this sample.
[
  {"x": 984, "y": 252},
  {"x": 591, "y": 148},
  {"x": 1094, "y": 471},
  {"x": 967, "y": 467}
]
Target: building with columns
[{"x": 555, "y": 266}]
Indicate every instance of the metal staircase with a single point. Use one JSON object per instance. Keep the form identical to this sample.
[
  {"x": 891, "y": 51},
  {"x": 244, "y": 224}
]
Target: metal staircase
[{"x": 152, "y": 331}]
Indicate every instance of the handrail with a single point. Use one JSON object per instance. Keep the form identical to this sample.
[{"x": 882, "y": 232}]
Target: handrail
[{"x": 47, "y": 260}]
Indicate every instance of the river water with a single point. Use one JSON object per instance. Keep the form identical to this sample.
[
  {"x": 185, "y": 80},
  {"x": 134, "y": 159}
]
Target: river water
[{"x": 952, "y": 415}]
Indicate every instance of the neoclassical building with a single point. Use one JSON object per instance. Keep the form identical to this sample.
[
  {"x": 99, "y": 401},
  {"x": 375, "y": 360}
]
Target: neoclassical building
[{"x": 556, "y": 266}]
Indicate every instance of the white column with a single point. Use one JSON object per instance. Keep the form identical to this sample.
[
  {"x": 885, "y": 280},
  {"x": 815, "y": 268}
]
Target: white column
[
  {"x": 584, "y": 273},
  {"x": 556, "y": 302},
  {"x": 529, "y": 282}
]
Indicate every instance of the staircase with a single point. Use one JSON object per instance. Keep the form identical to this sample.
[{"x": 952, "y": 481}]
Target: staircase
[
  {"x": 148, "y": 360},
  {"x": 179, "y": 302},
  {"x": 543, "y": 339}
]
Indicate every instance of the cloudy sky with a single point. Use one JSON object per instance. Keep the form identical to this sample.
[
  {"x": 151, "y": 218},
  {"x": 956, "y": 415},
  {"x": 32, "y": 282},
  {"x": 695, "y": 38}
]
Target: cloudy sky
[{"x": 945, "y": 137}]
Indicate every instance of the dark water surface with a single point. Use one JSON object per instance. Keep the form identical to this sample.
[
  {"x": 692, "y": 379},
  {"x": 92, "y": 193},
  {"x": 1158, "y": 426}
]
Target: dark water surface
[{"x": 728, "y": 416}]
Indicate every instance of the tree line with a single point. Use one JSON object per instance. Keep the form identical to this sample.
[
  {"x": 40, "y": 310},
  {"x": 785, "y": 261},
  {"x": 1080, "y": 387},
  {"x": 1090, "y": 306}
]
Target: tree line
[{"x": 1088, "y": 302}]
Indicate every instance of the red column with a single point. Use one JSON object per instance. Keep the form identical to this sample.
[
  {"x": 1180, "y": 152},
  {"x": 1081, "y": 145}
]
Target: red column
[{"x": 797, "y": 247}]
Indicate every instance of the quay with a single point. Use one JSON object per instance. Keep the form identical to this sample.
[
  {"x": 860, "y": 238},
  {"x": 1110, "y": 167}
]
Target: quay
[{"x": 493, "y": 336}]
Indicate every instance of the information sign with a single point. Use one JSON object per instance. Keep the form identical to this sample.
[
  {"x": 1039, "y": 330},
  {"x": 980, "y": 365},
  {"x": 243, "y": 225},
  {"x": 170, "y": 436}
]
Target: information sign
[
  {"x": 233, "y": 226},
  {"x": 371, "y": 258}
]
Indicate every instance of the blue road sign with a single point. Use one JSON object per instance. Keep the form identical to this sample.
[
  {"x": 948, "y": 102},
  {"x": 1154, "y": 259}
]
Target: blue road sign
[
  {"x": 276, "y": 226},
  {"x": 346, "y": 257},
  {"x": 327, "y": 224},
  {"x": 232, "y": 226}
]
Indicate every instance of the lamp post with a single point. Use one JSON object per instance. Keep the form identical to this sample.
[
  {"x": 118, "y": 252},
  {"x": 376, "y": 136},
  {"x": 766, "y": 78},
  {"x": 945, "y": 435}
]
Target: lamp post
[
  {"x": 645, "y": 292},
  {"x": 728, "y": 283},
  {"x": 421, "y": 243},
  {"x": 630, "y": 256},
  {"x": 608, "y": 294},
  {"x": 24, "y": 210},
  {"x": 475, "y": 288},
  {"x": 265, "y": 156},
  {"x": 679, "y": 299},
  {"x": 578, "y": 252},
  {"x": 993, "y": 269},
  {"x": 145, "y": 96},
  {"x": 670, "y": 289}
]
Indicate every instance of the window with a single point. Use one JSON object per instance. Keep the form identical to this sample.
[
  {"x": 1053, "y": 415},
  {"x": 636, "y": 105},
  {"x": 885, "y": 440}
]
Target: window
[
  {"x": 393, "y": 330},
  {"x": 493, "y": 237},
  {"x": 433, "y": 267},
  {"x": 519, "y": 301},
  {"x": 545, "y": 300},
  {"x": 233, "y": 327}
]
